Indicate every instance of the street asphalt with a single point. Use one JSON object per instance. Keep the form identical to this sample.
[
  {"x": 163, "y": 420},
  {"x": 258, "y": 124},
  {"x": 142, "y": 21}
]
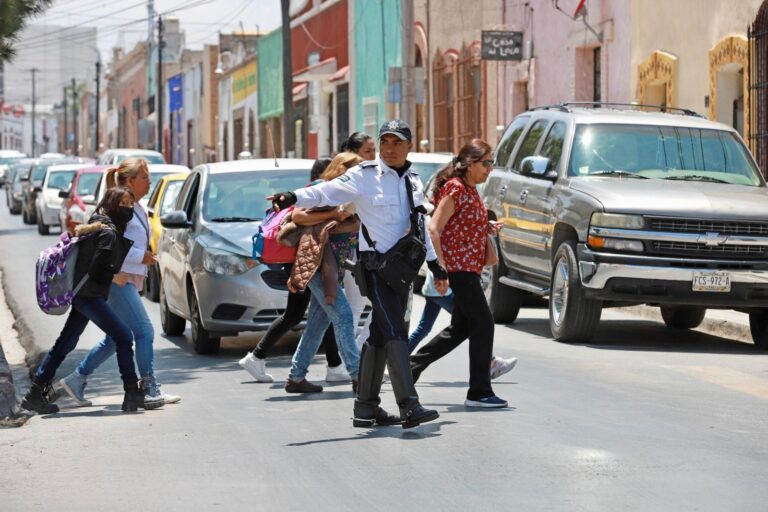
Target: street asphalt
[{"x": 642, "y": 418}]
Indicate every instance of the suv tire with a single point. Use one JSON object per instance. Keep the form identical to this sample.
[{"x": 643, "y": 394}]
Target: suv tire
[
  {"x": 572, "y": 317},
  {"x": 683, "y": 317},
  {"x": 758, "y": 326},
  {"x": 202, "y": 340},
  {"x": 173, "y": 325},
  {"x": 504, "y": 301}
]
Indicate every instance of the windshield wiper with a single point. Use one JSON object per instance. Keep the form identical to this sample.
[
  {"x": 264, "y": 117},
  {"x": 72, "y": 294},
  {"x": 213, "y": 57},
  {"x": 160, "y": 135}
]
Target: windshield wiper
[
  {"x": 233, "y": 219},
  {"x": 698, "y": 177},
  {"x": 617, "y": 172}
]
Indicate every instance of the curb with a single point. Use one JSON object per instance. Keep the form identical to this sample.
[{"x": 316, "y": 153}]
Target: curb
[
  {"x": 714, "y": 326},
  {"x": 26, "y": 337},
  {"x": 11, "y": 414}
]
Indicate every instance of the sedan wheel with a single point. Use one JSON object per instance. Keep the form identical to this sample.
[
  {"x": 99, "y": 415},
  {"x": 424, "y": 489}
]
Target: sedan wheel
[
  {"x": 202, "y": 340},
  {"x": 173, "y": 325}
]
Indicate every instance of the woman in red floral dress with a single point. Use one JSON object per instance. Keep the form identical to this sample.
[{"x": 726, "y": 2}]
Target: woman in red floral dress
[{"x": 459, "y": 229}]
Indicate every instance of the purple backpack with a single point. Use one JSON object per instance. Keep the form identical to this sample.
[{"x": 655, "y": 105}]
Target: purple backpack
[{"x": 55, "y": 275}]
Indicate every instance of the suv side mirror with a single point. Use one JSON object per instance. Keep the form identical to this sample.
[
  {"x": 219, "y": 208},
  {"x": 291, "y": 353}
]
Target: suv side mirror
[
  {"x": 64, "y": 194},
  {"x": 175, "y": 220},
  {"x": 538, "y": 167}
]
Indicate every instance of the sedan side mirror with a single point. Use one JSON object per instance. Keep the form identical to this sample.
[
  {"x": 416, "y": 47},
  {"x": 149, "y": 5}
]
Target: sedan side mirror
[
  {"x": 38, "y": 189},
  {"x": 64, "y": 194},
  {"x": 538, "y": 167},
  {"x": 150, "y": 212},
  {"x": 175, "y": 220}
]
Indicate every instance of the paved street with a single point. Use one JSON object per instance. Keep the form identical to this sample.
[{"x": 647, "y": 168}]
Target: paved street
[{"x": 643, "y": 418}]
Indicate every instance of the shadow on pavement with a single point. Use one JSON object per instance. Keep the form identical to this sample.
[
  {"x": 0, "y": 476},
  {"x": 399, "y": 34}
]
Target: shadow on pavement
[
  {"x": 645, "y": 335},
  {"x": 396, "y": 431},
  {"x": 463, "y": 408}
]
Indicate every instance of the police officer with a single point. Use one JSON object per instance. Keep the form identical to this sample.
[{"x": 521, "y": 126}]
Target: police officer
[{"x": 378, "y": 189}]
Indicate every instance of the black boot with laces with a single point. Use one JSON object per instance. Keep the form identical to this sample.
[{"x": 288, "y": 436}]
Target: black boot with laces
[{"x": 37, "y": 398}]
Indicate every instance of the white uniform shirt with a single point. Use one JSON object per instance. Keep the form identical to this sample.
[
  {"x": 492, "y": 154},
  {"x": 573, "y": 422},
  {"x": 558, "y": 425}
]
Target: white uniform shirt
[
  {"x": 137, "y": 231},
  {"x": 380, "y": 199}
]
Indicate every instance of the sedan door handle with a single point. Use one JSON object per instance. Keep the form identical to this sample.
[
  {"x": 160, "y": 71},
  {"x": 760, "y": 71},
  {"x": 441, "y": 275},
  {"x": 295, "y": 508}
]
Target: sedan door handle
[
  {"x": 523, "y": 196},
  {"x": 502, "y": 190}
]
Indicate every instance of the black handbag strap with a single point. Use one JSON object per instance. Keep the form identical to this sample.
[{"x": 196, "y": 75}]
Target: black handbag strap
[{"x": 414, "y": 215}]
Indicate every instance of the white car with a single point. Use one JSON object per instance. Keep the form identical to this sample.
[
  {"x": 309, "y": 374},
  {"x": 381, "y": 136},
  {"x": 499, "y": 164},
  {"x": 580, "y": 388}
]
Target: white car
[
  {"x": 115, "y": 156},
  {"x": 48, "y": 202}
]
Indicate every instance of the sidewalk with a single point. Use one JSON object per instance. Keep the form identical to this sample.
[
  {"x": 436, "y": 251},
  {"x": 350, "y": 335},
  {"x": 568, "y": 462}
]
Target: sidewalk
[{"x": 725, "y": 323}]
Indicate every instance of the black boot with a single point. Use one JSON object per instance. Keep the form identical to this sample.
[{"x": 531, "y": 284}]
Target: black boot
[
  {"x": 367, "y": 411},
  {"x": 411, "y": 411},
  {"x": 134, "y": 397},
  {"x": 37, "y": 399}
]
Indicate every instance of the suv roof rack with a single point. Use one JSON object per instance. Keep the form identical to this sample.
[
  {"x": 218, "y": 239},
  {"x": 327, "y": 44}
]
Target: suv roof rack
[{"x": 564, "y": 107}]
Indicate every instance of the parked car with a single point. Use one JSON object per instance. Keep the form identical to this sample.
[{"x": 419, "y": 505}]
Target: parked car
[
  {"x": 15, "y": 189},
  {"x": 427, "y": 164},
  {"x": 605, "y": 207},
  {"x": 115, "y": 156},
  {"x": 156, "y": 171},
  {"x": 81, "y": 190},
  {"x": 35, "y": 183},
  {"x": 8, "y": 157},
  {"x": 208, "y": 274},
  {"x": 57, "y": 179},
  {"x": 162, "y": 201}
]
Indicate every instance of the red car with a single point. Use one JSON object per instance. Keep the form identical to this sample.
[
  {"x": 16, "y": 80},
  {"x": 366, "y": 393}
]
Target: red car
[{"x": 81, "y": 190}]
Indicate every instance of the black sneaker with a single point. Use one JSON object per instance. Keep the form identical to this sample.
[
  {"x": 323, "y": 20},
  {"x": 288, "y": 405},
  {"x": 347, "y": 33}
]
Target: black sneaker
[
  {"x": 488, "y": 402},
  {"x": 36, "y": 399}
]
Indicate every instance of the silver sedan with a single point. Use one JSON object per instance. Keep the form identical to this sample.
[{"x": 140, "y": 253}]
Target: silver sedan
[{"x": 208, "y": 273}]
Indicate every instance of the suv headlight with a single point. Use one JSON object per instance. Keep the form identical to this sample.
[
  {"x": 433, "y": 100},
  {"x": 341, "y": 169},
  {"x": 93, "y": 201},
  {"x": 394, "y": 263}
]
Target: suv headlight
[
  {"x": 617, "y": 220},
  {"x": 226, "y": 263}
]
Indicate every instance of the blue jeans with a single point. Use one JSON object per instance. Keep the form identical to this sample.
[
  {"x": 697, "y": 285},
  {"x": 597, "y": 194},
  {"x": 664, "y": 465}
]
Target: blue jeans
[
  {"x": 126, "y": 303},
  {"x": 319, "y": 317},
  {"x": 96, "y": 310},
  {"x": 428, "y": 317}
]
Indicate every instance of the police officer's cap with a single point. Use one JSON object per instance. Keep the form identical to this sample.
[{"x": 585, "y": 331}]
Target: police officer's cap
[{"x": 396, "y": 127}]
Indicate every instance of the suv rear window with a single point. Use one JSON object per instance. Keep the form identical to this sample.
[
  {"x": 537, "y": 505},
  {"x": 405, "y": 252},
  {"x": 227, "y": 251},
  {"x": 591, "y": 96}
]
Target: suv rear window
[
  {"x": 662, "y": 152},
  {"x": 530, "y": 142},
  {"x": 508, "y": 141}
]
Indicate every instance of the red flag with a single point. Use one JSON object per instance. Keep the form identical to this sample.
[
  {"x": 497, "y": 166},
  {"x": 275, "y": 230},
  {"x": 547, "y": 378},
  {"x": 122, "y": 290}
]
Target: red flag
[{"x": 579, "y": 8}]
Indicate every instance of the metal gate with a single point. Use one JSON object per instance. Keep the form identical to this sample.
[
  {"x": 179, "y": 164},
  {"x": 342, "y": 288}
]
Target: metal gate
[{"x": 758, "y": 87}]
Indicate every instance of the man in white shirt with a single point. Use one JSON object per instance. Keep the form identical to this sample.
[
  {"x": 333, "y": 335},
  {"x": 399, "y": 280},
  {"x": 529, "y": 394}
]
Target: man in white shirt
[{"x": 379, "y": 189}]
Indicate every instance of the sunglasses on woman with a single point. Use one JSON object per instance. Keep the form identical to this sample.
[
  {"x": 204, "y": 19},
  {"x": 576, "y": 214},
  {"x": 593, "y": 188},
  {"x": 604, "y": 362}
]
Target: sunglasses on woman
[{"x": 487, "y": 163}]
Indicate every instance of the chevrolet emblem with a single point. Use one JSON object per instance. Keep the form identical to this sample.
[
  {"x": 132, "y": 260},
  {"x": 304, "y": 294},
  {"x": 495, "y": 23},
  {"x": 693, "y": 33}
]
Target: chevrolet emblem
[{"x": 712, "y": 239}]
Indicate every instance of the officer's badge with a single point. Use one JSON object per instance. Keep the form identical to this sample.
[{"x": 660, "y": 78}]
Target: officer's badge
[{"x": 393, "y": 125}]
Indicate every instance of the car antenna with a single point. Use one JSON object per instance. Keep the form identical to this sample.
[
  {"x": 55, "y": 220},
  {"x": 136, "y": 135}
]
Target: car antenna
[{"x": 272, "y": 143}]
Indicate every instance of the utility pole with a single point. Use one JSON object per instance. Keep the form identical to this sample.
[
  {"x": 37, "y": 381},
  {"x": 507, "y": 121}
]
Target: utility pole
[
  {"x": 98, "y": 100},
  {"x": 34, "y": 72},
  {"x": 408, "y": 83},
  {"x": 74, "y": 117},
  {"x": 159, "y": 93},
  {"x": 288, "y": 135},
  {"x": 66, "y": 123}
]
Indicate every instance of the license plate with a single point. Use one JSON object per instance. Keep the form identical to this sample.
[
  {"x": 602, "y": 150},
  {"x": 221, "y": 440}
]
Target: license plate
[{"x": 711, "y": 282}]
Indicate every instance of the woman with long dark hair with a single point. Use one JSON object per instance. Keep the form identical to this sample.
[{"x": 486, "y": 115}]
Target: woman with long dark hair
[
  {"x": 459, "y": 231},
  {"x": 100, "y": 257}
]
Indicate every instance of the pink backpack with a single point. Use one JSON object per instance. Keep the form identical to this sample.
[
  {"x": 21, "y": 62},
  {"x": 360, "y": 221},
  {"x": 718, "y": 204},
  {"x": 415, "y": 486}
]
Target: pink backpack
[{"x": 265, "y": 245}]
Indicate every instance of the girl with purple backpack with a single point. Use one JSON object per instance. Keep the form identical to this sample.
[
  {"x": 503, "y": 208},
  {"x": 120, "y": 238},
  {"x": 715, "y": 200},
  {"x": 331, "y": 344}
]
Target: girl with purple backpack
[{"x": 99, "y": 258}]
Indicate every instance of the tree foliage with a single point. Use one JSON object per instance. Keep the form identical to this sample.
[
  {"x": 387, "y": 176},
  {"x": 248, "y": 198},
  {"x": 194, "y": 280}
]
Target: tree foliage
[{"x": 13, "y": 16}]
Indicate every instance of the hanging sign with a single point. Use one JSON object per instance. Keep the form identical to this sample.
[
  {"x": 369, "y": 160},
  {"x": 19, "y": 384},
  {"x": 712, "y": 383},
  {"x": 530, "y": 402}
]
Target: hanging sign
[{"x": 501, "y": 45}]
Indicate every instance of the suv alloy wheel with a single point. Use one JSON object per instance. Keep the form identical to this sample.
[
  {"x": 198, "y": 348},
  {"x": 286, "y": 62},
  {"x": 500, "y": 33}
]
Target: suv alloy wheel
[{"x": 572, "y": 317}]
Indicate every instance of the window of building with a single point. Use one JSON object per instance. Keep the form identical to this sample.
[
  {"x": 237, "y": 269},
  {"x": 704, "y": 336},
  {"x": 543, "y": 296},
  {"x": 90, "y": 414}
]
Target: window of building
[{"x": 596, "y": 76}]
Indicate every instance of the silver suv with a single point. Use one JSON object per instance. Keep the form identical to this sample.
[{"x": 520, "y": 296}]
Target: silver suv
[{"x": 606, "y": 205}]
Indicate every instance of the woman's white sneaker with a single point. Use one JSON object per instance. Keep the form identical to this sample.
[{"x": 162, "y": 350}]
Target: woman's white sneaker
[
  {"x": 337, "y": 374},
  {"x": 500, "y": 366},
  {"x": 256, "y": 367}
]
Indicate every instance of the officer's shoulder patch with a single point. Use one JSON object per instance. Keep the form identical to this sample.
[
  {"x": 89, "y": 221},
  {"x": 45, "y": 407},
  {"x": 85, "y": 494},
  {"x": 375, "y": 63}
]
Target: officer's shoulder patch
[{"x": 344, "y": 178}]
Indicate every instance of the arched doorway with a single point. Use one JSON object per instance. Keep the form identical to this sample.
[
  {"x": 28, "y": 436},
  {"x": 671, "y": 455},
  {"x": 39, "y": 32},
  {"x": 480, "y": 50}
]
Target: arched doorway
[
  {"x": 657, "y": 80},
  {"x": 728, "y": 89}
]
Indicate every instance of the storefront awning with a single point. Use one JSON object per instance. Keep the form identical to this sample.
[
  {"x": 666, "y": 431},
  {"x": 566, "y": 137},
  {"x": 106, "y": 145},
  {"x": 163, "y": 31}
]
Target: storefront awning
[
  {"x": 341, "y": 75},
  {"x": 323, "y": 70},
  {"x": 300, "y": 92}
]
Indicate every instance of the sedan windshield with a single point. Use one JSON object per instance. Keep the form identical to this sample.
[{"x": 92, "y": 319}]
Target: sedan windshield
[
  {"x": 242, "y": 196},
  {"x": 60, "y": 180},
  {"x": 150, "y": 158},
  {"x": 662, "y": 152}
]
